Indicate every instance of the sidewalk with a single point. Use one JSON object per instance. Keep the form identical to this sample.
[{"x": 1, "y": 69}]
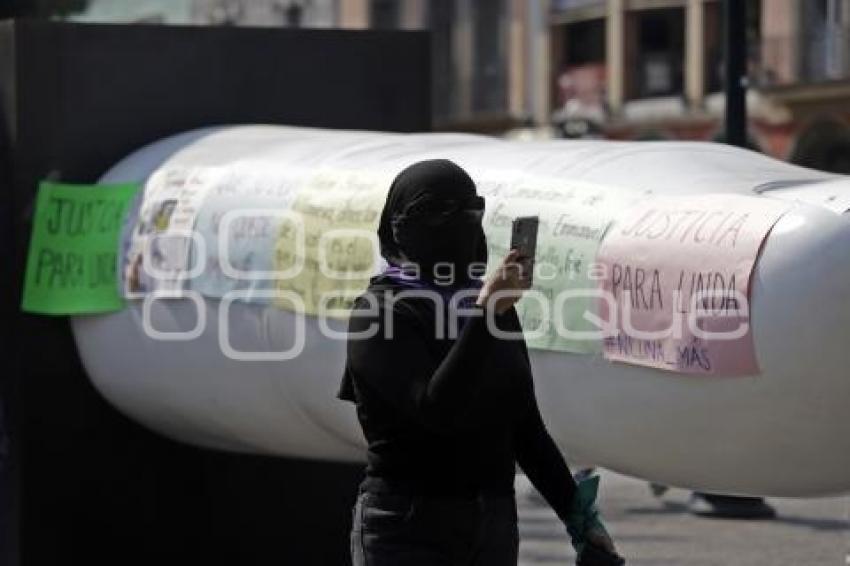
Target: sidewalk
[{"x": 660, "y": 532}]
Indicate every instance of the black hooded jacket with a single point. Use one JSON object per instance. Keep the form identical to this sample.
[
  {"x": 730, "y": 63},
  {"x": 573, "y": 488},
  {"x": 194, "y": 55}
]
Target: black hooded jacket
[{"x": 444, "y": 416}]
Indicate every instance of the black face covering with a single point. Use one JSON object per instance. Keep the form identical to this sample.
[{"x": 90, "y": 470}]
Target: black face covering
[{"x": 432, "y": 218}]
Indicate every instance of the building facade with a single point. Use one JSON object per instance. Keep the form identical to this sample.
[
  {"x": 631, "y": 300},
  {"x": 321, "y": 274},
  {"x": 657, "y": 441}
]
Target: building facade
[
  {"x": 490, "y": 58},
  {"x": 618, "y": 69},
  {"x": 653, "y": 69}
]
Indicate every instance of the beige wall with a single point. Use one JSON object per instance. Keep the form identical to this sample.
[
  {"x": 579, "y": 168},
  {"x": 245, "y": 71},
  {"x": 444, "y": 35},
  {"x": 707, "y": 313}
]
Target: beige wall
[
  {"x": 517, "y": 56},
  {"x": 695, "y": 52},
  {"x": 778, "y": 30},
  {"x": 615, "y": 33},
  {"x": 540, "y": 56},
  {"x": 354, "y": 14}
]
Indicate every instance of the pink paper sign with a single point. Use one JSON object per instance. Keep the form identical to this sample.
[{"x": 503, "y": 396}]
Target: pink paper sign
[{"x": 675, "y": 278}]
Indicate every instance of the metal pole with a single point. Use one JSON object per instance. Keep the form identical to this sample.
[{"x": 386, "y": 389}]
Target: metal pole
[{"x": 734, "y": 12}]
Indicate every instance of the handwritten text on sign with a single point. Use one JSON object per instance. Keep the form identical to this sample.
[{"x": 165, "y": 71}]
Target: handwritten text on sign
[
  {"x": 675, "y": 275},
  {"x": 573, "y": 219},
  {"x": 71, "y": 268}
]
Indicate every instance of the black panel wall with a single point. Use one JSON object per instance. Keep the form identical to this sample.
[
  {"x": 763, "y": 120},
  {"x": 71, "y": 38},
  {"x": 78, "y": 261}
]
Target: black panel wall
[{"x": 85, "y": 483}]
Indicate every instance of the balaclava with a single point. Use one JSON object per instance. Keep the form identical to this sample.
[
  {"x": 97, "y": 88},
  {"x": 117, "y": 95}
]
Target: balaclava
[{"x": 412, "y": 228}]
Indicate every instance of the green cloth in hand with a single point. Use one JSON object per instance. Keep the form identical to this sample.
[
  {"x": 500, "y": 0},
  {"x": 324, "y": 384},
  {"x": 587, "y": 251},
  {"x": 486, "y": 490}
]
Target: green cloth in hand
[{"x": 584, "y": 515}]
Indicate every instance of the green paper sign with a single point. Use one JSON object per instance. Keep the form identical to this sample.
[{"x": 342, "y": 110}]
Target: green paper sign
[{"x": 71, "y": 266}]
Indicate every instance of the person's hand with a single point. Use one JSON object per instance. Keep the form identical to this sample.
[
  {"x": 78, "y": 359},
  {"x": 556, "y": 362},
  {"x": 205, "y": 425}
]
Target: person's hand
[
  {"x": 584, "y": 524},
  {"x": 511, "y": 277},
  {"x": 601, "y": 538},
  {"x": 591, "y": 531}
]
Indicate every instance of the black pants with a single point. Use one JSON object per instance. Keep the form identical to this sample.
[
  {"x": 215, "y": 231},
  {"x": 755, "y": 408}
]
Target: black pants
[{"x": 390, "y": 529}]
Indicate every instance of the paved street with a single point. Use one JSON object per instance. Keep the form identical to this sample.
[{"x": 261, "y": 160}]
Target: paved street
[{"x": 660, "y": 532}]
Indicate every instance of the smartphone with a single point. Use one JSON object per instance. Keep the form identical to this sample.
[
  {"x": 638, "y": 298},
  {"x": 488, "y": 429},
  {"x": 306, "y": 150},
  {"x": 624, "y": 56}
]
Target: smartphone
[{"x": 524, "y": 238}]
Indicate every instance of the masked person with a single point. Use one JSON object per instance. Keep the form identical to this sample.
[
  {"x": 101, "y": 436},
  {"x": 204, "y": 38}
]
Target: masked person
[{"x": 446, "y": 416}]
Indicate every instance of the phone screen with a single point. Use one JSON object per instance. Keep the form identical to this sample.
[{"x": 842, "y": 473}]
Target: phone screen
[{"x": 524, "y": 238}]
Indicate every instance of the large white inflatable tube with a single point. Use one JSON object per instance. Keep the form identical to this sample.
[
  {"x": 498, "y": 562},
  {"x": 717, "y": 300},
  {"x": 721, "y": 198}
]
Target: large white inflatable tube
[{"x": 784, "y": 432}]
